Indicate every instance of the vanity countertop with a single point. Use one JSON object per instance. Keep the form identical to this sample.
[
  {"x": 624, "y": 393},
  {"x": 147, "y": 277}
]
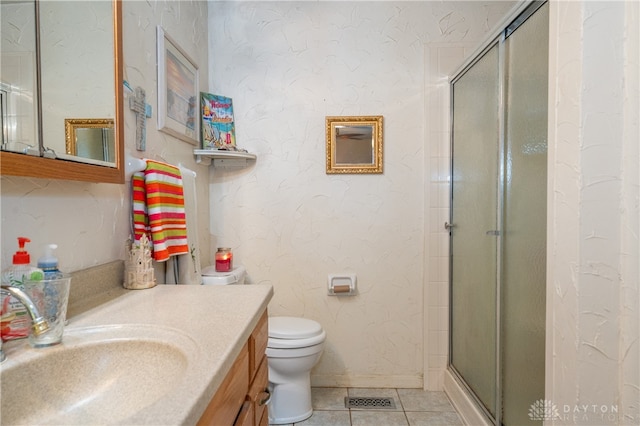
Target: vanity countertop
[{"x": 216, "y": 322}]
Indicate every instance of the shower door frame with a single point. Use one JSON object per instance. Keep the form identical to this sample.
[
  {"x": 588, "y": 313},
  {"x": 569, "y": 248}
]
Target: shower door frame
[
  {"x": 499, "y": 42},
  {"x": 510, "y": 24}
]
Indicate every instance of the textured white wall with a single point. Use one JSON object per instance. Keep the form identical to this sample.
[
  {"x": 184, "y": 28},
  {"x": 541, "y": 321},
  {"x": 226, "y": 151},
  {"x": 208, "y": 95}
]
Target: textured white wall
[
  {"x": 287, "y": 65},
  {"x": 593, "y": 355},
  {"x": 90, "y": 222}
]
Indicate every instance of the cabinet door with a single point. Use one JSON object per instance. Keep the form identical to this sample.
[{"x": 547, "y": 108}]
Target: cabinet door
[
  {"x": 246, "y": 415},
  {"x": 259, "y": 391},
  {"x": 264, "y": 421},
  {"x": 223, "y": 408},
  {"x": 258, "y": 343}
]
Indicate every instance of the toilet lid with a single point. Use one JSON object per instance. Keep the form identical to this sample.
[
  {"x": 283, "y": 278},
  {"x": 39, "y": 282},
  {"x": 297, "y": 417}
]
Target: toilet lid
[
  {"x": 275, "y": 343},
  {"x": 293, "y": 328},
  {"x": 234, "y": 276}
]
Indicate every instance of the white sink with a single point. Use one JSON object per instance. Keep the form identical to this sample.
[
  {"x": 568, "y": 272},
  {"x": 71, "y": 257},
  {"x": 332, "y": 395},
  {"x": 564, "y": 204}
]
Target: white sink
[
  {"x": 147, "y": 357},
  {"x": 106, "y": 374}
]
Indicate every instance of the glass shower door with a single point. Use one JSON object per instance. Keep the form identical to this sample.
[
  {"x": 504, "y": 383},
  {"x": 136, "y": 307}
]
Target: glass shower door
[
  {"x": 474, "y": 244},
  {"x": 498, "y": 215},
  {"x": 525, "y": 219}
]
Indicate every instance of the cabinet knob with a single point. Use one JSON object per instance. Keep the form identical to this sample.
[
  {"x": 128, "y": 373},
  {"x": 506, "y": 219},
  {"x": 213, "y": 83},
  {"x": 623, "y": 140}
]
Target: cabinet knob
[{"x": 266, "y": 394}]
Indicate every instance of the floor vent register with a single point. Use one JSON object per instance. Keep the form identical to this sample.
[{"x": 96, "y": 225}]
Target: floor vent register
[{"x": 369, "y": 403}]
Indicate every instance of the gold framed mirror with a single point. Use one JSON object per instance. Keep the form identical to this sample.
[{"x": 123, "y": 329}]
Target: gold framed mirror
[
  {"x": 354, "y": 144},
  {"x": 91, "y": 139}
]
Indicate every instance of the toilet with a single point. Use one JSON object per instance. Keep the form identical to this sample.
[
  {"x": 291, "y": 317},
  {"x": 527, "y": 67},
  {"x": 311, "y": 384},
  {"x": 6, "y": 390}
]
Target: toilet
[
  {"x": 294, "y": 347},
  {"x": 235, "y": 276}
]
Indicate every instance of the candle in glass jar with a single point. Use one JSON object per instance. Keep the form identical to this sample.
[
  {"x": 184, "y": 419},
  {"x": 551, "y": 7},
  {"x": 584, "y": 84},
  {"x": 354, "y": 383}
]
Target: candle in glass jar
[{"x": 224, "y": 259}]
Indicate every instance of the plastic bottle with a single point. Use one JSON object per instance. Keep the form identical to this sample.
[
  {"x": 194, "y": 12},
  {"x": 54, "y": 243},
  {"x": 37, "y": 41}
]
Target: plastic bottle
[
  {"x": 14, "y": 319},
  {"x": 49, "y": 263}
]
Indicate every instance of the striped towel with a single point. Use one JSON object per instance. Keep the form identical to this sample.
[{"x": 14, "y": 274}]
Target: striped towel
[{"x": 158, "y": 209}]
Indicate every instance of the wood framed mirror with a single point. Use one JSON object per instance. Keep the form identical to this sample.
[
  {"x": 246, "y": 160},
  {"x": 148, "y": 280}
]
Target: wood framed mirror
[
  {"x": 354, "y": 144},
  {"x": 46, "y": 165}
]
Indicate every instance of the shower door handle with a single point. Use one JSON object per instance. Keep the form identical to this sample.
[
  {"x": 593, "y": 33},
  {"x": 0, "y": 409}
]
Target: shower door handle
[
  {"x": 493, "y": 232},
  {"x": 448, "y": 226}
]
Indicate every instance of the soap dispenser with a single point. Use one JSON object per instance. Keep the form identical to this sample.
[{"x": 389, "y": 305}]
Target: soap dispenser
[
  {"x": 49, "y": 263},
  {"x": 15, "y": 322},
  {"x": 21, "y": 270}
]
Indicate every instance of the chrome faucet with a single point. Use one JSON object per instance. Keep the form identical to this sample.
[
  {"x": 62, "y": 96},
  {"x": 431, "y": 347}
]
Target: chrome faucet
[{"x": 39, "y": 325}]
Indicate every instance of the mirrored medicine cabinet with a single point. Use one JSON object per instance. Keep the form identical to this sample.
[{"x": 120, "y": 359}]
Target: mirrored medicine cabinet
[{"x": 61, "y": 102}]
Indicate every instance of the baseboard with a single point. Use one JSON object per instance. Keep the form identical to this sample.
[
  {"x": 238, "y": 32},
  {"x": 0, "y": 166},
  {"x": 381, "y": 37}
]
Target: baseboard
[
  {"x": 367, "y": 381},
  {"x": 463, "y": 402}
]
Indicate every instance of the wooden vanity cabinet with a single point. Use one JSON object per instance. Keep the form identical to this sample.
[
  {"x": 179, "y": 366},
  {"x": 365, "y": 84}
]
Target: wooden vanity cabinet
[
  {"x": 241, "y": 399},
  {"x": 259, "y": 394},
  {"x": 246, "y": 415}
]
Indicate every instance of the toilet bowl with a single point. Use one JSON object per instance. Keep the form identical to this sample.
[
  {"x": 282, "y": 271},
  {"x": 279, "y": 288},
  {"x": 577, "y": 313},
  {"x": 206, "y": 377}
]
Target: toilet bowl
[{"x": 294, "y": 347}]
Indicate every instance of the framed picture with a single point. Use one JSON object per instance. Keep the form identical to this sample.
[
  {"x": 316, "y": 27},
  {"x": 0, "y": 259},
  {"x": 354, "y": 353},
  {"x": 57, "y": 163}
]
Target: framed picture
[
  {"x": 217, "y": 127},
  {"x": 354, "y": 144},
  {"x": 178, "y": 91}
]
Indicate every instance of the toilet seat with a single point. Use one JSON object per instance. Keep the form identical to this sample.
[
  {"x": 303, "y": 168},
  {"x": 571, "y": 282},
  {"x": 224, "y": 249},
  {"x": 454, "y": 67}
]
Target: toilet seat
[{"x": 293, "y": 332}]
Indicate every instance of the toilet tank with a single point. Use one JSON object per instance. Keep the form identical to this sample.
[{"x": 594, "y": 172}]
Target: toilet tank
[{"x": 235, "y": 276}]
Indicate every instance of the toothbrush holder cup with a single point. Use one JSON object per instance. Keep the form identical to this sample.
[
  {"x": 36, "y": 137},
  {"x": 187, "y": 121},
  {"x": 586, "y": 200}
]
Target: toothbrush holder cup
[{"x": 51, "y": 297}]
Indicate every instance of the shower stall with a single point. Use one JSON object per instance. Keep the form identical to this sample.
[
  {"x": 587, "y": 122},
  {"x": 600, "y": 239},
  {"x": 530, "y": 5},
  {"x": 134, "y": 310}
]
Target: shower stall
[{"x": 498, "y": 222}]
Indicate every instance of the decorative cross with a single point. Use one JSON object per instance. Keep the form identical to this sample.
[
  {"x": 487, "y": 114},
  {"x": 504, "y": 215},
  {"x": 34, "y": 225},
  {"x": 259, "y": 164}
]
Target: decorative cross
[{"x": 142, "y": 110}]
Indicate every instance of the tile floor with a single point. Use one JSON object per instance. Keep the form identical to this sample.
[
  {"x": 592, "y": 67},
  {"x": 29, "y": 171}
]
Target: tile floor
[{"x": 414, "y": 407}]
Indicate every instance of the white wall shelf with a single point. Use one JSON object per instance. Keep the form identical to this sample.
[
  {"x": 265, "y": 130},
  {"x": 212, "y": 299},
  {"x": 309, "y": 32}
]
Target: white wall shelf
[{"x": 224, "y": 158}]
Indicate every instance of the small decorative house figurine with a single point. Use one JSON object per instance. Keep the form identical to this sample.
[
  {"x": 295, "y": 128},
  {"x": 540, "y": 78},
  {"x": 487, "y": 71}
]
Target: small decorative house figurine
[{"x": 138, "y": 270}]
